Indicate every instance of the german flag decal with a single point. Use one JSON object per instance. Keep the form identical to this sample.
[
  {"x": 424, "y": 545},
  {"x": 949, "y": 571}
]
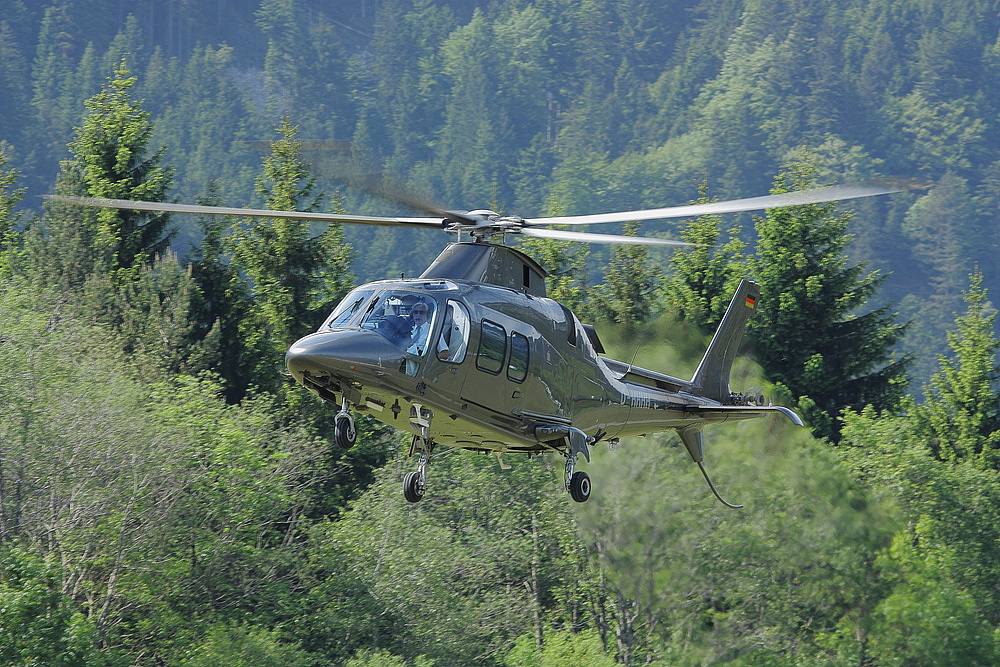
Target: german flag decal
[{"x": 751, "y": 302}]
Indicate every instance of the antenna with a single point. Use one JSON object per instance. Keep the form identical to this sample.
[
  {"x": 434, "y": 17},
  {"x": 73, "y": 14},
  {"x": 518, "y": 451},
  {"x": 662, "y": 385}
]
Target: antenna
[
  {"x": 631, "y": 363},
  {"x": 712, "y": 486}
]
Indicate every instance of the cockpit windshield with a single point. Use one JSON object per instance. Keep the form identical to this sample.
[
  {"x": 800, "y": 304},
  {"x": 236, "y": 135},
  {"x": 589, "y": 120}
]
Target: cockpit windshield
[
  {"x": 404, "y": 318},
  {"x": 348, "y": 310}
]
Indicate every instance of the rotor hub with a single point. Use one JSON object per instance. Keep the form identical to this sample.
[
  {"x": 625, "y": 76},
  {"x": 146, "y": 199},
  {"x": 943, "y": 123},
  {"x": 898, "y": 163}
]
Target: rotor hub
[{"x": 483, "y": 224}]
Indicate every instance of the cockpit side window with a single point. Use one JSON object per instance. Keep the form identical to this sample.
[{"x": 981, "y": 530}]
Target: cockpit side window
[
  {"x": 348, "y": 309},
  {"x": 405, "y": 319},
  {"x": 492, "y": 347},
  {"x": 454, "y": 340}
]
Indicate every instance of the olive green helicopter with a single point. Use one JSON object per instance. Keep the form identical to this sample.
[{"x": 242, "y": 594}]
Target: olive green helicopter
[{"x": 472, "y": 354}]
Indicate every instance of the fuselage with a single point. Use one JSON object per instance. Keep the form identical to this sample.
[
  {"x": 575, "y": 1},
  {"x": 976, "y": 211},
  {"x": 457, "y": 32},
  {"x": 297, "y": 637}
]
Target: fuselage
[{"x": 491, "y": 365}]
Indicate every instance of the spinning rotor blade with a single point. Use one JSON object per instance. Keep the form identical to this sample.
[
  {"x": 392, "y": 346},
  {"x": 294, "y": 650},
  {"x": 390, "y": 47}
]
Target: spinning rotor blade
[
  {"x": 167, "y": 207},
  {"x": 584, "y": 237},
  {"x": 799, "y": 198},
  {"x": 366, "y": 177}
]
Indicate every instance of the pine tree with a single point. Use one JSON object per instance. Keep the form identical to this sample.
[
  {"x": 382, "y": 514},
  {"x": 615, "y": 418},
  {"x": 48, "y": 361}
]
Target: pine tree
[
  {"x": 962, "y": 407},
  {"x": 9, "y": 197},
  {"x": 14, "y": 102},
  {"x": 294, "y": 279},
  {"x": 705, "y": 277},
  {"x": 51, "y": 76},
  {"x": 110, "y": 153},
  {"x": 630, "y": 282},
  {"x": 225, "y": 296},
  {"x": 809, "y": 334},
  {"x": 566, "y": 264}
]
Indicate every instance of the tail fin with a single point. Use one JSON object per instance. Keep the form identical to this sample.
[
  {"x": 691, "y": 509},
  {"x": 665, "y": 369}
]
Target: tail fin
[{"x": 711, "y": 380}]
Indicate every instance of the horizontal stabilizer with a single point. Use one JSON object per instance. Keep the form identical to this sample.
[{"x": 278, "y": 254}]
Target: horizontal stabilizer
[{"x": 734, "y": 412}]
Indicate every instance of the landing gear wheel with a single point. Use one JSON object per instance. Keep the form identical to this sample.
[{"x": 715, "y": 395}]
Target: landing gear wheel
[
  {"x": 411, "y": 487},
  {"x": 345, "y": 435},
  {"x": 579, "y": 487}
]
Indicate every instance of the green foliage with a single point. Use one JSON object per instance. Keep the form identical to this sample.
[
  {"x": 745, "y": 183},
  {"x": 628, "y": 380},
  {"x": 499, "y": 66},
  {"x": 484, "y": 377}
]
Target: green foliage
[
  {"x": 944, "y": 133},
  {"x": 704, "y": 278},
  {"x": 628, "y": 293},
  {"x": 690, "y": 583},
  {"x": 961, "y": 412},
  {"x": 454, "y": 579},
  {"x": 810, "y": 336},
  {"x": 565, "y": 262},
  {"x": 928, "y": 619},
  {"x": 38, "y": 624},
  {"x": 383, "y": 659},
  {"x": 189, "y": 529},
  {"x": 163, "y": 504},
  {"x": 294, "y": 279},
  {"x": 561, "y": 649},
  {"x": 9, "y": 197},
  {"x": 246, "y": 647},
  {"x": 110, "y": 154}
]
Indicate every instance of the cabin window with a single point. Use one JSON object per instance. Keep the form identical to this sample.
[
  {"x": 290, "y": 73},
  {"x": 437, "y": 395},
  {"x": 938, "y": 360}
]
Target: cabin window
[
  {"x": 517, "y": 367},
  {"x": 492, "y": 348},
  {"x": 348, "y": 310},
  {"x": 454, "y": 340}
]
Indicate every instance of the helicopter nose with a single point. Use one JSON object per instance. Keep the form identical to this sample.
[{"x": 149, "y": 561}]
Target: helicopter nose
[{"x": 345, "y": 350}]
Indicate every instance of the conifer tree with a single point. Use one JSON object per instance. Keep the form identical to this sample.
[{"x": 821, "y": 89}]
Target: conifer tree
[
  {"x": 14, "y": 102},
  {"x": 110, "y": 151},
  {"x": 809, "y": 334},
  {"x": 626, "y": 296},
  {"x": 225, "y": 296},
  {"x": 295, "y": 279},
  {"x": 109, "y": 159},
  {"x": 962, "y": 407},
  {"x": 9, "y": 197},
  {"x": 705, "y": 277},
  {"x": 51, "y": 75},
  {"x": 566, "y": 264}
]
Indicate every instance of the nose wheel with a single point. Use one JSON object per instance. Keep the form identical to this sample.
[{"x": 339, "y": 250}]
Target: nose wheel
[{"x": 344, "y": 432}]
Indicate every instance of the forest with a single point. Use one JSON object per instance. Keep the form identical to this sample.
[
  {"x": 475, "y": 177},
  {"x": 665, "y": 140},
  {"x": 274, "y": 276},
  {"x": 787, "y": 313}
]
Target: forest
[{"x": 168, "y": 497}]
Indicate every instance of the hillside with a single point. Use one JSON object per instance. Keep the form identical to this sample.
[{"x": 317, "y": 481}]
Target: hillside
[{"x": 166, "y": 498}]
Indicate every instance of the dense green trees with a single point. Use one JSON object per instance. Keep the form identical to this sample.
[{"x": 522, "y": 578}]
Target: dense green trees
[{"x": 166, "y": 499}]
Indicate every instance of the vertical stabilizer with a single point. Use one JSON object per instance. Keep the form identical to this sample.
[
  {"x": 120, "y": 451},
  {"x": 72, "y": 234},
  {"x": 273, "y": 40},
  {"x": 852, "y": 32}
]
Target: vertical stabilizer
[{"x": 711, "y": 380}]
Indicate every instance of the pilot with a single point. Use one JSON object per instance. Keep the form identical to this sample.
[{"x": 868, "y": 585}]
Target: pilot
[{"x": 421, "y": 329}]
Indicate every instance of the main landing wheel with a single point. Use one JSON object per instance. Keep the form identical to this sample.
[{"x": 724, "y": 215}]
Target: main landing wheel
[
  {"x": 345, "y": 434},
  {"x": 579, "y": 486},
  {"x": 411, "y": 487}
]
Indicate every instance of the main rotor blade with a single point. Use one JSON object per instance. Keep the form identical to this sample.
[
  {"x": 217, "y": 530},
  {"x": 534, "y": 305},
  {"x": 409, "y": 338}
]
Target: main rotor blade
[
  {"x": 194, "y": 209},
  {"x": 362, "y": 175},
  {"x": 813, "y": 196},
  {"x": 584, "y": 237}
]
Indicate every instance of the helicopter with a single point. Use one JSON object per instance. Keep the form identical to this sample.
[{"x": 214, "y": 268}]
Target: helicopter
[{"x": 473, "y": 355}]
